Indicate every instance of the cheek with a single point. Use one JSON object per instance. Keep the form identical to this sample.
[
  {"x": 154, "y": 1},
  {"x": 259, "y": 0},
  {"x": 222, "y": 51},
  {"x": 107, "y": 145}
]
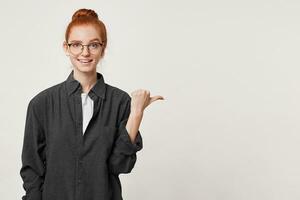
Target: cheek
[
  {"x": 97, "y": 58},
  {"x": 73, "y": 60}
]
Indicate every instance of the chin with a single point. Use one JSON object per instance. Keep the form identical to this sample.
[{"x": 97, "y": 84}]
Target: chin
[
  {"x": 83, "y": 67},
  {"x": 86, "y": 69}
]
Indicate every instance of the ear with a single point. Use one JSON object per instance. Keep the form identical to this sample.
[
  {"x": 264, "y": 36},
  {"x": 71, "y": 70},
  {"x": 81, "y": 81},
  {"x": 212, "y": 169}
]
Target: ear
[{"x": 65, "y": 48}]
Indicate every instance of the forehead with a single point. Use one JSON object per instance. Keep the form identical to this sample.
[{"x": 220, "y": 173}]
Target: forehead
[{"x": 84, "y": 33}]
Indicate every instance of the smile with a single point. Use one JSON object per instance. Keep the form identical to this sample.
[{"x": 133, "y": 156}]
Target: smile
[{"x": 84, "y": 60}]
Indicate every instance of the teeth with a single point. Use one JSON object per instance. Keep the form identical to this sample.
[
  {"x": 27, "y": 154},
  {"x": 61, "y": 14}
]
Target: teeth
[{"x": 85, "y": 61}]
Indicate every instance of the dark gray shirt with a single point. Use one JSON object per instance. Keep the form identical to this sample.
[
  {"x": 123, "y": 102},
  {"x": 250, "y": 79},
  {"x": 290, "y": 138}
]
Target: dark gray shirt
[{"x": 59, "y": 162}]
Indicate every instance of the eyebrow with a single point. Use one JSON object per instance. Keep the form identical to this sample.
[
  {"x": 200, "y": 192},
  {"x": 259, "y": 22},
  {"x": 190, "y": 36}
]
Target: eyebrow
[{"x": 81, "y": 41}]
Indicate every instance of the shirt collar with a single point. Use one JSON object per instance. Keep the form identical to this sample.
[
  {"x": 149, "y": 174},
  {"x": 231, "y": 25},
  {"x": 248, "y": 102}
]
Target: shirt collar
[{"x": 99, "y": 88}]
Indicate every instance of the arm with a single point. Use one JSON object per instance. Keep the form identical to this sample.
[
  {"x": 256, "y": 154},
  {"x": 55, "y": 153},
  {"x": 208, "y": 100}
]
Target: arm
[
  {"x": 140, "y": 100},
  {"x": 129, "y": 140},
  {"x": 133, "y": 125},
  {"x": 123, "y": 156},
  {"x": 33, "y": 156}
]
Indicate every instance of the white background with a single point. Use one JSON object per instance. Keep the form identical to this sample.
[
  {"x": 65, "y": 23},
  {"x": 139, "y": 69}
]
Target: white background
[{"x": 229, "y": 126}]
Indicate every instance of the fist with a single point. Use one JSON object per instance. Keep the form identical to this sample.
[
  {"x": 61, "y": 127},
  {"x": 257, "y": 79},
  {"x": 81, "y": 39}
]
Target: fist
[{"x": 140, "y": 99}]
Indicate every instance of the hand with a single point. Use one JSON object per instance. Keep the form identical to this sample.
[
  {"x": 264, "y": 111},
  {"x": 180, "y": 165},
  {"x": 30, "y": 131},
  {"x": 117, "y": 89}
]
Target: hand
[{"x": 141, "y": 99}]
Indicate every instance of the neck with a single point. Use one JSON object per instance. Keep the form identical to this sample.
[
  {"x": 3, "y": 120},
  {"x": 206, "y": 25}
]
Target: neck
[{"x": 87, "y": 80}]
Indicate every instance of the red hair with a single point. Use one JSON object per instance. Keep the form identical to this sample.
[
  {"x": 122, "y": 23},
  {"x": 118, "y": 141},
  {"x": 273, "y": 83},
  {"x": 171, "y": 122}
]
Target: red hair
[{"x": 87, "y": 17}]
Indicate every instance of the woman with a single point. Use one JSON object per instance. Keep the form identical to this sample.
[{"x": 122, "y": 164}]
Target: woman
[{"x": 82, "y": 133}]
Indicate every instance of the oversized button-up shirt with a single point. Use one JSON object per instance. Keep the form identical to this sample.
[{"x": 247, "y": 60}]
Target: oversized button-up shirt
[{"x": 59, "y": 162}]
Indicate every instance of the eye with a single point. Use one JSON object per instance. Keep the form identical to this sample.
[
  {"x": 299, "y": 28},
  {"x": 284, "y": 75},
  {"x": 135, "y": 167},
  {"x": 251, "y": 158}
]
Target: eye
[
  {"x": 76, "y": 45},
  {"x": 94, "y": 45}
]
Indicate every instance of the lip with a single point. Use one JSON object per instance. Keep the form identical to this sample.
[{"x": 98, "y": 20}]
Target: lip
[{"x": 85, "y": 61}]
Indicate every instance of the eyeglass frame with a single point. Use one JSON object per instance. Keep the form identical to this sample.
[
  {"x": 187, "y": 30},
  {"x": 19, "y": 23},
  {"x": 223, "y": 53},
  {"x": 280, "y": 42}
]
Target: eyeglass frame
[{"x": 82, "y": 46}]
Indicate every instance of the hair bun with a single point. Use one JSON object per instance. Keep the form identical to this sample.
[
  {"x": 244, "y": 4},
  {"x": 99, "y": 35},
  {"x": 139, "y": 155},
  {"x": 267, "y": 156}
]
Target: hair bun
[{"x": 84, "y": 13}]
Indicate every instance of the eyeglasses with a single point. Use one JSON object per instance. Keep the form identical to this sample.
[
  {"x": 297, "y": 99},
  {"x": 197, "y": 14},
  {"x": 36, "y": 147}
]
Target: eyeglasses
[{"x": 76, "y": 48}]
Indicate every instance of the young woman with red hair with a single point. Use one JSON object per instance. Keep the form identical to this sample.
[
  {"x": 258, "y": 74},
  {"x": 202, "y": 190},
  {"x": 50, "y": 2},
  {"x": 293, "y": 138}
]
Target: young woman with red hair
[{"x": 82, "y": 133}]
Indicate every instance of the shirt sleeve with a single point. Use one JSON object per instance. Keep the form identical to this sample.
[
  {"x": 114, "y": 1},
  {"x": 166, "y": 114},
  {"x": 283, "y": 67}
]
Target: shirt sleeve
[
  {"x": 33, "y": 156},
  {"x": 123, "y": 157}
]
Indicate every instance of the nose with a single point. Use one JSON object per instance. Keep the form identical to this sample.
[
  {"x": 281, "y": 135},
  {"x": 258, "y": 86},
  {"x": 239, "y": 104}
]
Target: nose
[{"x": 85, "y": 51}]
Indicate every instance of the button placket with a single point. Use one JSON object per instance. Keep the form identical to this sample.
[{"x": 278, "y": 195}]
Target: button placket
[{"x": 79, "y": 125}]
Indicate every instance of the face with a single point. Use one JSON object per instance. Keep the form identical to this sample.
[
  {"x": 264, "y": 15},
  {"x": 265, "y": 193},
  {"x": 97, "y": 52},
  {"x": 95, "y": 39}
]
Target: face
[{"x": 87, "y": 60}]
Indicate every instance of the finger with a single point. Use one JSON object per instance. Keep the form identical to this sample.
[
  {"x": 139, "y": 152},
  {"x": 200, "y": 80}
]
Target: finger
[{"x": 158, "y": 97}]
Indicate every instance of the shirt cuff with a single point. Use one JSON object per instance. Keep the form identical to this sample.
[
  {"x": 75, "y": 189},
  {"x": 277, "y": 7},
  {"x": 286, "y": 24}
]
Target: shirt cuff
[
  {"x": 34, "y": 195},
  {"x": 124, "y": 141}
]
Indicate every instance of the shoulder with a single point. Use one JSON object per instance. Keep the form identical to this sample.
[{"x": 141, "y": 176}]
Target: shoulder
[
  {"x": 40, "y": 99},
  {"x": 116, "y": 93},
  {"x": 119, "y": 101}
]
